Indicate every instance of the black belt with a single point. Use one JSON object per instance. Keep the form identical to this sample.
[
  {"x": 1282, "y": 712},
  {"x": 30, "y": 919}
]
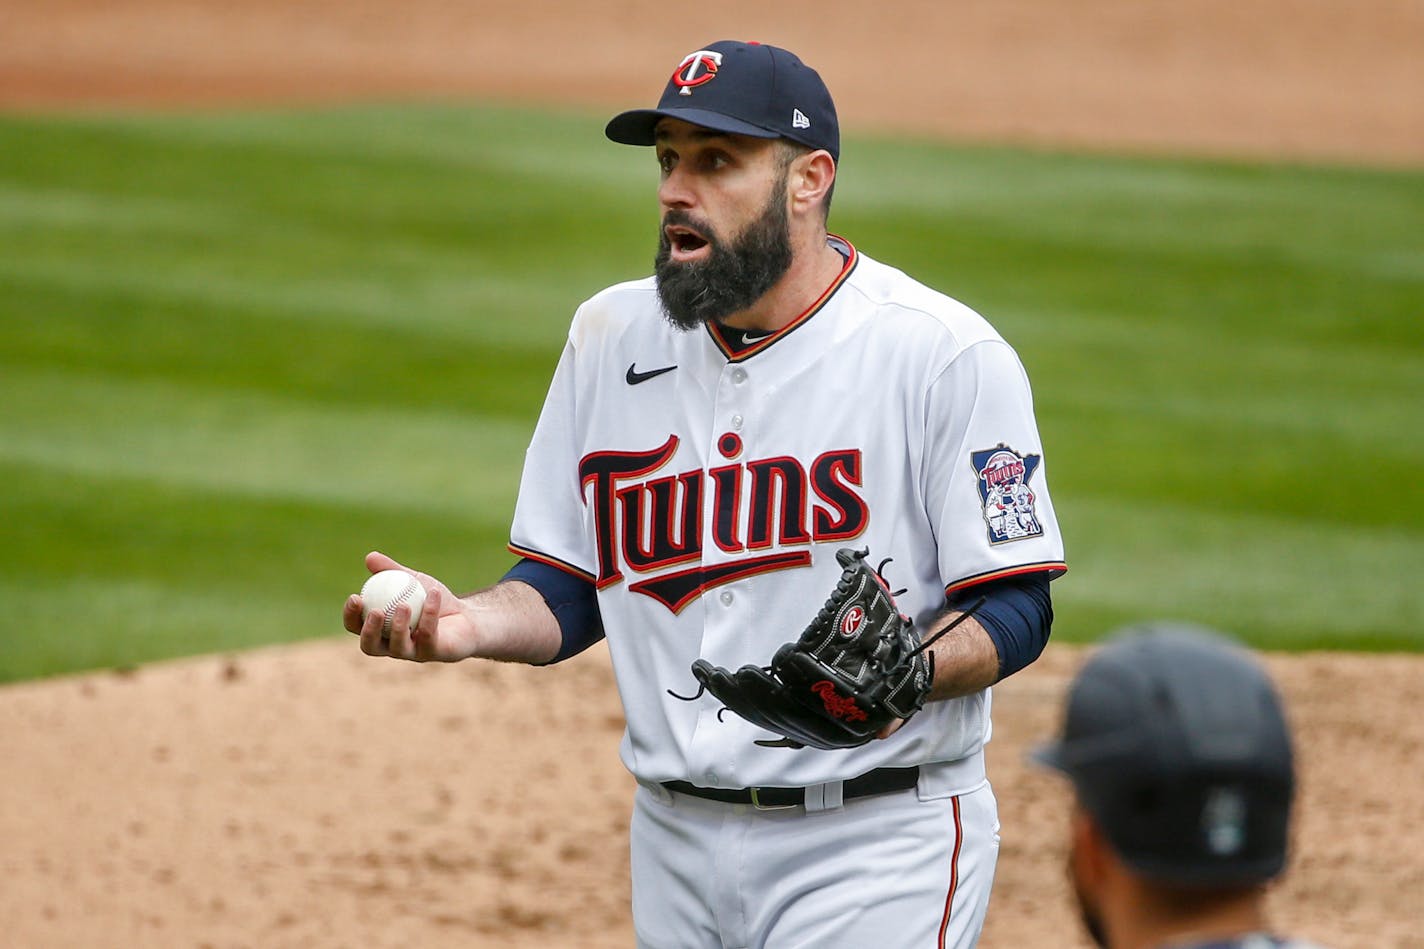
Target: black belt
[{"x": 879, "y": 781}]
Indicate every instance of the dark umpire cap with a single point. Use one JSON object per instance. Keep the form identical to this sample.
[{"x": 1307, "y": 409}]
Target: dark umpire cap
[
  {"x": 747, "y": 88},
  {"x": 1177, "y": 745}
]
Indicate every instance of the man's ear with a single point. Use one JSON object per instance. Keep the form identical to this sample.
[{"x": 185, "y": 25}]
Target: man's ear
[
  {"x": 810, "y": 181},
  {"x": 1090, "y": 848}
]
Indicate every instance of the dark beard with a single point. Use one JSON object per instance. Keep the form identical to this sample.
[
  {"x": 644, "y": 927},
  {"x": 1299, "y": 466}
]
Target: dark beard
[{"x": 734, "y": 276}]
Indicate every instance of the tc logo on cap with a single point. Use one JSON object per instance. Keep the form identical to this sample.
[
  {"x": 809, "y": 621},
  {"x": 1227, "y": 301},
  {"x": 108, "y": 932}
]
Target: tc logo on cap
[{"x": 696, "y": 69}]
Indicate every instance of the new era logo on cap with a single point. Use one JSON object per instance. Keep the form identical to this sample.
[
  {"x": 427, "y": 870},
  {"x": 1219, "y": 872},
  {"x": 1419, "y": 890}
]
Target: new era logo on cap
[{"x": 761, "y": 91}]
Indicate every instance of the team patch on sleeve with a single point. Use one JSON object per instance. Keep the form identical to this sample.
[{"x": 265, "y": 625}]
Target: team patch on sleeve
[{"x": 1004, "y": 493}]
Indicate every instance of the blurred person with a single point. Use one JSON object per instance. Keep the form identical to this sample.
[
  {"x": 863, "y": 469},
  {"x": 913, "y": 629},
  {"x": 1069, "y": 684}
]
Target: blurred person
[{"x": 1179, "y": 755}]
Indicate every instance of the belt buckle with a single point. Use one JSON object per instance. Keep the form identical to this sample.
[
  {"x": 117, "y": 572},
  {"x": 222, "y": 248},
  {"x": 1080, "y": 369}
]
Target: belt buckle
[{"x": 767, "y": 807}]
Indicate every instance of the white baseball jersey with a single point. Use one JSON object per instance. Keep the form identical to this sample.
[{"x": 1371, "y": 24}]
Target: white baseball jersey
[{"x": 705, "y": 487}]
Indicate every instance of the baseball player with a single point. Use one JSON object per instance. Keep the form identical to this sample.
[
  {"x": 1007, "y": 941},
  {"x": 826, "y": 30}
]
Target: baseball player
[
  {"x": 715, "y": 441},
  {"x": 1180, "y": 759}
]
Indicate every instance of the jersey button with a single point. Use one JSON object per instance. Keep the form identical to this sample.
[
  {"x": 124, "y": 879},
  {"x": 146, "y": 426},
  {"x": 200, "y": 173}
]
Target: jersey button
[
  {"x": 726, "y": 597},
  {"x": 739, "y": 376},
  {"x": 737, "y": 422}
]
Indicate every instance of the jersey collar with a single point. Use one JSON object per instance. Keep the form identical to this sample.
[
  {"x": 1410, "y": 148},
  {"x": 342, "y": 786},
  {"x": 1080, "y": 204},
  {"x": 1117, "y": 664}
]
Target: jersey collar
[{"x": 737, "y": 350}]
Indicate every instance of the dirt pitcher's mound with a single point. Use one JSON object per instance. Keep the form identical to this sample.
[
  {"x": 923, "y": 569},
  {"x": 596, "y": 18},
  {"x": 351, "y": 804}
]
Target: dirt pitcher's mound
[{"x": 310, "y": 796}]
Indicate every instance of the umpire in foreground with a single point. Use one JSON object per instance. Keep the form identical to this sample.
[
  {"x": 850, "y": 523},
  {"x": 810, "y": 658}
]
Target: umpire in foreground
[{"x": 1180, "y": 758}]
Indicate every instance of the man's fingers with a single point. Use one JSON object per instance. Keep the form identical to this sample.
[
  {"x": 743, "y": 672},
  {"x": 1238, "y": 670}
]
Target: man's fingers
[
  {"x": 891, "y": 729},
  {"x": 399, "y": 636},
  {"x": 429, "y": 612},
  {"x": 422, "y": 638},
  {"x": 373, "y": 642},
  {"x": 377, "y": 561},
  {"x": 351, "y": 614}
]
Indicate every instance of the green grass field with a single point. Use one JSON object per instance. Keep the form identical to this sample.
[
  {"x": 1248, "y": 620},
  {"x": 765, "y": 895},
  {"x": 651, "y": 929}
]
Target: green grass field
[{"x": 239, "y": 350}]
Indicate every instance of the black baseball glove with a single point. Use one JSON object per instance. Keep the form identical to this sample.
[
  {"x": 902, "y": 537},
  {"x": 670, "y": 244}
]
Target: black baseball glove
[{"x": 855, "y": 669}]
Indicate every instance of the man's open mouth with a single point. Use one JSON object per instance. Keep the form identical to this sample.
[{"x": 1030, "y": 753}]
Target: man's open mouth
[{"x": 684, "y": 242}]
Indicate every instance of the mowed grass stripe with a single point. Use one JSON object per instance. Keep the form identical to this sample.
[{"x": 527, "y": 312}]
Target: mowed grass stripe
[
  {"x": 549, "y": 149},
  {"x": 1335, "y": 216},
  {"x": 144, "y": 331},
  {"x": 128, "y": 621},
  {"x": 118, "y": 528},
  {"x": 203, "y": 317},
  {"x": 131, "y": 569},
  {"x": 383, "y": 189},
  {"x": 511, "y": 314},
  {"x": 1280, "y": 577},
  {"x": 246, "y": 445},
  {"x": 1226, "y": 297}
]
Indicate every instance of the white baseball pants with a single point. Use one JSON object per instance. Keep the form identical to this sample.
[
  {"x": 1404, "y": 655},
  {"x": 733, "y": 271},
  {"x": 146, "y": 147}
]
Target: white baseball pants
[{"x": 906, "y": 870}]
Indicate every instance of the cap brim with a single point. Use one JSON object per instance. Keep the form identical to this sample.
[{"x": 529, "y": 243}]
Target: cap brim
[
  {"x": 637, "y": 127},
  {"x": 1049, "y": 755}
]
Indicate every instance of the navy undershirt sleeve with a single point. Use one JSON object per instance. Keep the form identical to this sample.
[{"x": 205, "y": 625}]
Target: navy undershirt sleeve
[
  {"x": 571, "y": 599},
  {"x": 1017, "y": 614}
]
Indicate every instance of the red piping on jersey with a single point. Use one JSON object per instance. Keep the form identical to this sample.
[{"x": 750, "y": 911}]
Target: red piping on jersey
[
  {"x": 1055, "y": 567},
  {"x": 735, "y": 354},
  {"x": 953, "y": 873},
  {"x": 550, "y": 562}
]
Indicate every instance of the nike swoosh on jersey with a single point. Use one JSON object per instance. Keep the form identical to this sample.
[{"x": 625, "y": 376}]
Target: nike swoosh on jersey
[{"x": 634, "y": 376}]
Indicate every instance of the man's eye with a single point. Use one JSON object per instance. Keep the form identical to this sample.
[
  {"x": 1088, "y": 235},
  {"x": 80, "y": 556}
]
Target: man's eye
[{"x": 665, "y": 162}]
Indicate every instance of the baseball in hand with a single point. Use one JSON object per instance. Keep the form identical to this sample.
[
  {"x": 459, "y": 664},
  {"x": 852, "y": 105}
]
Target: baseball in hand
[{"x": 387, "y": 590}]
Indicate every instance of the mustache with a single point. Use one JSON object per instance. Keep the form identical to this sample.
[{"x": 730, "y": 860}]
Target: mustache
[{"x": 680, "y": 218}]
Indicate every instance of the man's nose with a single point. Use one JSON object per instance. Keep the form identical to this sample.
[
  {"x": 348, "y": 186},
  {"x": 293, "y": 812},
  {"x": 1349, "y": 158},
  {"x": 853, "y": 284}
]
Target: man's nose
[{"x": 676, "y": 190}]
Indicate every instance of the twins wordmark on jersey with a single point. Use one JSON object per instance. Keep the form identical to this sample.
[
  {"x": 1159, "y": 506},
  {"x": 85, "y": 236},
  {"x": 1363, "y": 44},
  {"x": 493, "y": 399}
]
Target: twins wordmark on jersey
[{"x": 655, "y": 523}]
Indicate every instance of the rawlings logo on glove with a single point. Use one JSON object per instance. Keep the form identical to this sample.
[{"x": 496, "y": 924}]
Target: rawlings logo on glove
[
  {"x": 855, "y": 669},
  {"x": 836, "y": 706}
]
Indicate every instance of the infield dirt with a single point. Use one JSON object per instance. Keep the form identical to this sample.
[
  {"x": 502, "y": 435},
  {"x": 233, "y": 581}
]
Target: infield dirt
[{"x": 308, "y": 796}]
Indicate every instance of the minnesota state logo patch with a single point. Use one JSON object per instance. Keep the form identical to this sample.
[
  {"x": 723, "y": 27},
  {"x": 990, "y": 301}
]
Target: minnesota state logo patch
[{"x": 1004, "y": 493}]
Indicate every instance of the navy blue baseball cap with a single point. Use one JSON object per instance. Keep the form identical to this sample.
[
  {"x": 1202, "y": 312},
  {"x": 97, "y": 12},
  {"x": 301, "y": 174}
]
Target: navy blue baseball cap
[
  {"x": 746, "y": 88},
  {"x": 1176, "y": 743}
]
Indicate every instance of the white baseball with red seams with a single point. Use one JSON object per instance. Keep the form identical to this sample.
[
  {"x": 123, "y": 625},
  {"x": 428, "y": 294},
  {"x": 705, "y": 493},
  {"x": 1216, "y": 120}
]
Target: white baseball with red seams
[{"x": 389, "y": 589}]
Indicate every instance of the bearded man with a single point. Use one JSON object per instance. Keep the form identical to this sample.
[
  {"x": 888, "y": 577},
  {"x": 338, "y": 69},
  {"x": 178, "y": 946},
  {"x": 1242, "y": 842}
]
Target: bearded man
[{"x": 713, "y": 436}]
